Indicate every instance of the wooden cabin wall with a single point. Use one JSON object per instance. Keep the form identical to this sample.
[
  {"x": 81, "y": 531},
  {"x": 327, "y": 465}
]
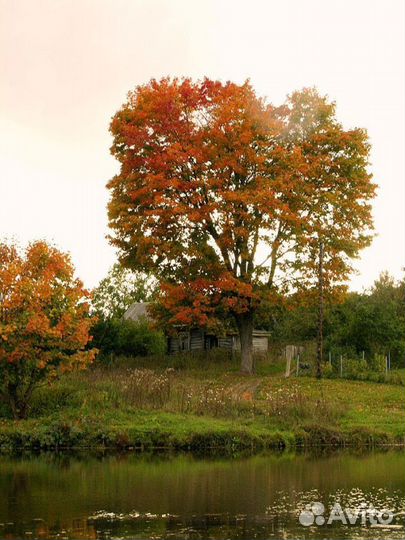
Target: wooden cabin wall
[
  {"x": 260, "y": 344},
  {"x": 196, "y": 339}
]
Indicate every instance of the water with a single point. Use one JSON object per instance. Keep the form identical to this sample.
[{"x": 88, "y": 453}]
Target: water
[{"x": 183, "y": 497}]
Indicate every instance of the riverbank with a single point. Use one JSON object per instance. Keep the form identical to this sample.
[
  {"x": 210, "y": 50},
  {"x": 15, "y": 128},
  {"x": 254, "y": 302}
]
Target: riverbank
[
  {"x": 199, "y": 409},
  {"x": 127, "y": 495}
]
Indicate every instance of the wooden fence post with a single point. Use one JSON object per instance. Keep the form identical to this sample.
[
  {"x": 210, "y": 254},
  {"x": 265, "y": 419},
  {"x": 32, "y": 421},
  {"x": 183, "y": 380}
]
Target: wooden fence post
[{"x": 287, "y": 363}]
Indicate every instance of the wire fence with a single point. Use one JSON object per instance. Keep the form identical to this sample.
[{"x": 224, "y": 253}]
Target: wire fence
[{"x": 301, "y": 361}]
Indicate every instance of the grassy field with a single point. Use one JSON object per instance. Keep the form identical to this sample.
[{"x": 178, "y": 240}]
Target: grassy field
[{"x": 198, "y": 405}]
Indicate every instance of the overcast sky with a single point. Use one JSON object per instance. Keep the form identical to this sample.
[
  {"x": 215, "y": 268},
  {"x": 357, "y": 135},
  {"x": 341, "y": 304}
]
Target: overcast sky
[{"x": 66, "y": 67}]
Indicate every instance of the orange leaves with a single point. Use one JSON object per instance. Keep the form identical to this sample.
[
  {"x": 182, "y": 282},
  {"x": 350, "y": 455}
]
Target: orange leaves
[
  {"x": 199, "y": 302},
  {"x": 194, "y": 144},
  {"x": 39, "y": 324},
  {"x": 187, "y": 305},
  {"x": 229, "y": 283},
  {"x": 43, "y": 313},
  {"x": 212, "y": 177}
]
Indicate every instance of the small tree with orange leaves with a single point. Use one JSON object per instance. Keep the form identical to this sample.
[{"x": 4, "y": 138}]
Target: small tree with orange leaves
[{"x": 44, "y": 323}]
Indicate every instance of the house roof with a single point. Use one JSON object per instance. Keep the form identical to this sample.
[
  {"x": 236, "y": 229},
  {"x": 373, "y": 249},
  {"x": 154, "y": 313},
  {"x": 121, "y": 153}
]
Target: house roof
[{"x": 138, "y": 310}]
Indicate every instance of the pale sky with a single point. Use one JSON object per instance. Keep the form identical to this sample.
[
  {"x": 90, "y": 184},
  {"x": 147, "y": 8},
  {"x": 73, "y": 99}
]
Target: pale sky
[{"x": 66, "y": 67}]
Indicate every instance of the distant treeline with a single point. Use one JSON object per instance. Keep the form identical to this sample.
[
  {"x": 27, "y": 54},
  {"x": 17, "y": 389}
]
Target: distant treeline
[{"x": 372, "y": 322}]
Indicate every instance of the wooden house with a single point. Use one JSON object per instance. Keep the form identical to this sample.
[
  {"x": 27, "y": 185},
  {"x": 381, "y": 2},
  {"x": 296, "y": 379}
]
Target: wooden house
[{"x": 198, "y": 339}]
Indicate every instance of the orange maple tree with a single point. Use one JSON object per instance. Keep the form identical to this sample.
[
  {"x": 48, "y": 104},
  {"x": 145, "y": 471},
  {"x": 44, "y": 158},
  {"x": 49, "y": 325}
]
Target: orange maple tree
[
  {"x": 44, "y": 323},
  {"x": 221, "y": 194}
]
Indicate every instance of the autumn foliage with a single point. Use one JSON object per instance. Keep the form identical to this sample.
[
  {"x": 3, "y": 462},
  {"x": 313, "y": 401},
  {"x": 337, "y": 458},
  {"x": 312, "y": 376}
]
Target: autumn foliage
[
  {"x": 226, "y": 197},
  {"x": 44, "y": 323}
]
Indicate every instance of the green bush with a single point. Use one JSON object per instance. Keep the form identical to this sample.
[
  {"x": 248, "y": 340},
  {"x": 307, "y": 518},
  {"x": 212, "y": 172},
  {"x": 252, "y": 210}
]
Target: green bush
[
  {"x": 139, "y": 339},
  {"x": 105, "y": 335},
  {"x": 378, "y": 363},
  {"x": 373, "y": 370},
  {"x": 126, "y": 337},
  {"x": 355, "y": 369}
]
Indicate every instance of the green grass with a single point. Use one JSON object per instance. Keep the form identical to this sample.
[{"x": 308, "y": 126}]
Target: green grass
[{"x": 201, "y": 405}]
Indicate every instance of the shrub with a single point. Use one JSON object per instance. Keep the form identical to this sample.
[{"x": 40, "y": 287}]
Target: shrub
[
  {"x": 127, "y": 337},
  {"x": 105, "y": 335},
  {"x": 139, "y": 339},
  {"x": 373, "y": 370},
  {"x": 378, "y": 363},
  {"x": 355, "y": 369}
]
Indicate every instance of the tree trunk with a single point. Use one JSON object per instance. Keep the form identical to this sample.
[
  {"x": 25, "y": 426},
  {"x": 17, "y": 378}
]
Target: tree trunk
[
  {"x": 19, "y": 409},
  {"x": 244, "y": 323},
  {"x": 319, "y": 348},
  {"x": 19, "y": 399}
]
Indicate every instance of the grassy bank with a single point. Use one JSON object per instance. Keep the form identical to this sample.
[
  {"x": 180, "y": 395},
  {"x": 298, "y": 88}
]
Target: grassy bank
[{"x": 193, "y": 407}]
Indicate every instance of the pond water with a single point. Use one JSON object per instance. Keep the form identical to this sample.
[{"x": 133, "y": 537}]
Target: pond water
[{"x": 185, "y": 497}]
